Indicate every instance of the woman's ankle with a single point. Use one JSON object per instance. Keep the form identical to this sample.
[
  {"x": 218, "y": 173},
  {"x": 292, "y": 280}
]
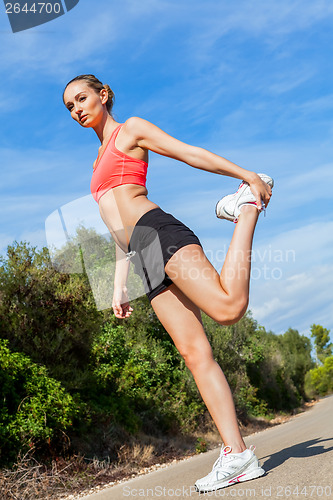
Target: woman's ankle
[
  {"x": 237, "y": 447},
  {"x": 249, "y": 209}
]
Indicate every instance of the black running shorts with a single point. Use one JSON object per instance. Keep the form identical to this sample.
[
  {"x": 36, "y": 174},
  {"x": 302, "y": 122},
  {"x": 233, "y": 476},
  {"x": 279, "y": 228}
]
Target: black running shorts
[{"x": 156, "y": 237}]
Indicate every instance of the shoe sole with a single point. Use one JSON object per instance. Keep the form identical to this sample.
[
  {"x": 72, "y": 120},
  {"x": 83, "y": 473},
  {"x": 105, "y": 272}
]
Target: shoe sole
[
  {"x": 225, "y": 214},
  {"x": 253, "y": 474},
  {"x": 266, "y": 178}
]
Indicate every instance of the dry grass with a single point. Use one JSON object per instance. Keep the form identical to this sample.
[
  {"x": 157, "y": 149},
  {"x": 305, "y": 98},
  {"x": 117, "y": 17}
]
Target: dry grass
[
  {"x": 136, "y": 453},
  {"x": 30, "y": 480}
]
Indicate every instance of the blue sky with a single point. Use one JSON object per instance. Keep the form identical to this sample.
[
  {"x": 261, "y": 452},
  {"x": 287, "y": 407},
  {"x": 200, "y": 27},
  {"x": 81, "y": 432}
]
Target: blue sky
[{"x": 251, "y": 81}]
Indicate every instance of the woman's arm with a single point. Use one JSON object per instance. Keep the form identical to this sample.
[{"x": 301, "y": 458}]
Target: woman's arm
[
  {"x": 120, "y": 302},
  {"x": 149, "y": 136}
]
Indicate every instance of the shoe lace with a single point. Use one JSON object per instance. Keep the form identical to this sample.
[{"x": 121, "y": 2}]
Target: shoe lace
[
  {"x": 263, "y": 208},
  {"x": 223, "y": 457}
]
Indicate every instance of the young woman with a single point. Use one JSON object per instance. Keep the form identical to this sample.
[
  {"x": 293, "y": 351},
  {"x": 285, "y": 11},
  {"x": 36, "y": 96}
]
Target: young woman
[{"x": 179, "y": 279}]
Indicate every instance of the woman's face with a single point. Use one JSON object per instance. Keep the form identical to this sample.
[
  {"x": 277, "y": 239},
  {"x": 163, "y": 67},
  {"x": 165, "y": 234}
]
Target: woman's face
[{"x": 84, "y": 104}]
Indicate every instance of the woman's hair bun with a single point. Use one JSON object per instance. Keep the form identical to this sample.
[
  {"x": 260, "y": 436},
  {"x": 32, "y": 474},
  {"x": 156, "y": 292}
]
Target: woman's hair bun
[{"x": 110, "y": 101}]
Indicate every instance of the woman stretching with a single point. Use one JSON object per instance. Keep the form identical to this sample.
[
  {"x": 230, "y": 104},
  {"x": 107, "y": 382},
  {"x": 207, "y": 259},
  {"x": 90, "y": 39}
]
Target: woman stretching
[{"x": 178, "y": 278}]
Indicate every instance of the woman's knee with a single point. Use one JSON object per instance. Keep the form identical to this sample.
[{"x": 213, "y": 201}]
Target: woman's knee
[
  {"x": 230, "y": 311},
  {"x": 196, "y": 355}
]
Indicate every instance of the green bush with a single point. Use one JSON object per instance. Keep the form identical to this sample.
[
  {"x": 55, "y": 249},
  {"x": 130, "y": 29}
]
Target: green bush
[
  {"x": 150, "y": 375},
  {"x": 35, "y": 411},
  {"x": 49, "y": 316},
  {"x": 279, "y": 374},
  {"x": 319, "y": 380}
]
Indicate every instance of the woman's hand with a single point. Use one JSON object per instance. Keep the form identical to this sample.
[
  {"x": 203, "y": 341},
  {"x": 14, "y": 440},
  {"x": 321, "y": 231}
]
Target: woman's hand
[
  {"x": 120, "y": 303},
  {"x": 261, "y": 191}
]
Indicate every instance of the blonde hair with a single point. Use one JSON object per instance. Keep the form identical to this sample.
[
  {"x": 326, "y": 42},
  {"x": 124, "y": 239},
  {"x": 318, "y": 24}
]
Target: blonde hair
[{"x": 96, "y": 85}]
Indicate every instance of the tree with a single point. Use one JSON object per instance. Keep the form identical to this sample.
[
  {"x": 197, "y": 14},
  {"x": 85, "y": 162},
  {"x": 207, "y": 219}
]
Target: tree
[
  {"x": 50, "y": 316},
  {"x": 296, "y": 351},
  {"x": 320, "y": 379},
  {"x": 322, "y": 342}
]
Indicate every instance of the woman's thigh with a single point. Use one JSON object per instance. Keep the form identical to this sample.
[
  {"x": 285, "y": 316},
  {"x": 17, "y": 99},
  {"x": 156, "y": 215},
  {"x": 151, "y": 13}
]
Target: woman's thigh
[
  {"x": 182, "y": 320},
  {"x": 194, "y": 275}
]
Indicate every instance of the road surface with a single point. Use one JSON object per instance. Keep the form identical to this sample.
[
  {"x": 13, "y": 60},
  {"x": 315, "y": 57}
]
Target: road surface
[{"x": 297, "y": 457}]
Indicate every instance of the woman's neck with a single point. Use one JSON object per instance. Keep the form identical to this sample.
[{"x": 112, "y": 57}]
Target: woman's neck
[{"x": 105, "y": 127}]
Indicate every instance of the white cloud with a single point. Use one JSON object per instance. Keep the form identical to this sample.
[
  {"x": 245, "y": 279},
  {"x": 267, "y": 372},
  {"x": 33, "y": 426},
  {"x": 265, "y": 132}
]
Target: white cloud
[
  {"x": 273, "y": 22},
  {"x": 34, "y": 238},
  {"x": 304, "y": 187},
  {"x": 304, "y": 292},
  {"x": 8, "y": 102},
  {"x": 293, "y": 79},
  {"x": 5, "y": 240},
  {"x": 54, "y": 48},
  {"x": 319, "y": 104},
  {"x": 88, "y": 32},
  {"x": 281, "y": 305}
]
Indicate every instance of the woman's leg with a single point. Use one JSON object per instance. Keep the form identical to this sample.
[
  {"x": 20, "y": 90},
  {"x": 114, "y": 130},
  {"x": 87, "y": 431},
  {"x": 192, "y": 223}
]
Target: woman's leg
[
  {"x": 224, "y": 297},
  {"x": 182, "y": 320}
]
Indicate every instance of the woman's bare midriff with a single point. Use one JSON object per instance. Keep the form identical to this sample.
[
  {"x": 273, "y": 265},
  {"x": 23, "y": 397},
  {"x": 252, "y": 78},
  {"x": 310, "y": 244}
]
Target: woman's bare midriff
[{"x": 121, "y": 208}]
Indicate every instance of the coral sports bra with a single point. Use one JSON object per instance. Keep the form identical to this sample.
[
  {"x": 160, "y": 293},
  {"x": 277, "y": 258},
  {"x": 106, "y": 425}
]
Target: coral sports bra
[{"x": 115, "y": 168}]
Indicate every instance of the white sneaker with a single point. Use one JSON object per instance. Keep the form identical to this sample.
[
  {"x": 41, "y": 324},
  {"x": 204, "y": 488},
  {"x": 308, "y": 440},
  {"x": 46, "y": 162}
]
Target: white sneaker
[
  {"x": 231, "y": 468},
  {"x": 229, "y": 206}
]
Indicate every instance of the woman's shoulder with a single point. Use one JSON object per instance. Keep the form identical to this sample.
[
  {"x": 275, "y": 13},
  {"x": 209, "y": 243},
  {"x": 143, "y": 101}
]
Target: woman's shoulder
[{"x": 136, "y": 125}]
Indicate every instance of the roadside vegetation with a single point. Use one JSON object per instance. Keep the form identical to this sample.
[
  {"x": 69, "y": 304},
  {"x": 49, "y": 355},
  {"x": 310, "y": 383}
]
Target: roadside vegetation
[{"x": 87, "y": 398}]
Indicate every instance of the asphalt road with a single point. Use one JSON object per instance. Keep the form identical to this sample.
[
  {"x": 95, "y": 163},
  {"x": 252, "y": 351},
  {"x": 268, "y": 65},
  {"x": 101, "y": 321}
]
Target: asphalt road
[{"x": 297, "y": 457}]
